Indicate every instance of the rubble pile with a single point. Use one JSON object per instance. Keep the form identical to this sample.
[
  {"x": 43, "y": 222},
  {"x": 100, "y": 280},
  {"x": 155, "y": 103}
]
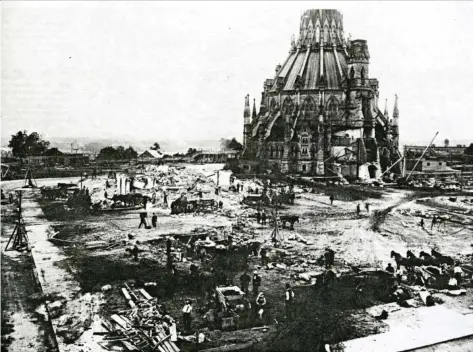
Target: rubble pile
[{"x": 144, "y": 327}]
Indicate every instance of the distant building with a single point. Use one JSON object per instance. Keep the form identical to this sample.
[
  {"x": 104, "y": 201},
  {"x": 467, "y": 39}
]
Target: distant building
[
  {"x": 151, "y": 155},
  {"x": 215, "y": 156},
  {"x": 436, "y": 158},
  {"x": 428, "y": 166},
  {"x": 319, "y": 114},
  {"x": 6, "y": 153}
]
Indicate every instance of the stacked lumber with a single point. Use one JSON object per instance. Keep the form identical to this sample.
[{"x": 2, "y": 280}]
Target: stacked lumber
[{"x": 140, "y": 328}]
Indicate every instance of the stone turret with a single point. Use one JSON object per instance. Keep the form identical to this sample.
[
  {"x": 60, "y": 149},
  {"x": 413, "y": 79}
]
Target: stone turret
[
  {"x": 396, "y": 122},
  {"x": 358, "y": 61},
  {"x": 247, "y": 120}
]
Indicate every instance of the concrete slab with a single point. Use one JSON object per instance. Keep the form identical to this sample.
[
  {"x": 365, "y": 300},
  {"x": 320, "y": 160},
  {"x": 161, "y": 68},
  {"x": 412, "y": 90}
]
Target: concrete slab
[{"x": 415, "y": 328}]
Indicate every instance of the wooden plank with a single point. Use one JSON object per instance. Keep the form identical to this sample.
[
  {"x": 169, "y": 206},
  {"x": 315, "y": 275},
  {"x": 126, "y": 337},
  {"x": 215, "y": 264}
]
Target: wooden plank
[
  {"x": 165, "y": 345},
  {"x": 119, "y": 320},
  {"x": 145, "y": 294},
  {"x": 129, "y": 346},
  {"x": 126, "y": 294},
  {"x": 131, "y": 292},
  {"x": 128, "y": 298}
]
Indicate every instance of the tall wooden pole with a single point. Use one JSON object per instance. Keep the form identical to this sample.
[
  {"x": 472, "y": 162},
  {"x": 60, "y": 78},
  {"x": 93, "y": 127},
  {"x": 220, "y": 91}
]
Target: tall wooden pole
[{"x": 418, "y": 160}]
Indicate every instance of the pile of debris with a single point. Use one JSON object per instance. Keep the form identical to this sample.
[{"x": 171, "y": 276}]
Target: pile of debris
[{"x": 144, "y": 327}]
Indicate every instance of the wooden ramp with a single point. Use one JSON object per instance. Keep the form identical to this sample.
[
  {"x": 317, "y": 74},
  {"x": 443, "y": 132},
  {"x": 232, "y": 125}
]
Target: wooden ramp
[{"x": 415, "y": 328}]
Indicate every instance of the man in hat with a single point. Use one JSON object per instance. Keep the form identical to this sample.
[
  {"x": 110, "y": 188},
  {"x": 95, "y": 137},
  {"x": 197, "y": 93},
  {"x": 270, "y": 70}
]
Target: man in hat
[
  {"x": 390, "y": 269},
  {"x": 143, "y": 216},
  {"x": 256, "y": 282},
  {"x": 263, "y": 218},
  {"x": 154, "y": 220},
  {"x": 186, "y": 315},
  {"x": 264, "y": 256},
  {"x": 245, "y": 282}
]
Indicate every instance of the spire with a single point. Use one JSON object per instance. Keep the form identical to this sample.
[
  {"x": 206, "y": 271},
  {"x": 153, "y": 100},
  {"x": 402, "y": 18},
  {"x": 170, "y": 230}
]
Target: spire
[
  {"x": 253, "y": 115},
  {"x": 396, "y": 109},
  {"x": 247, "y": 111},
  {"x": 386, "y": 113}
]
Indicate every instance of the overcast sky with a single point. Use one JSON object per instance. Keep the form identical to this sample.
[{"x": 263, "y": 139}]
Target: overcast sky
[{"x": 181, "y": 70}]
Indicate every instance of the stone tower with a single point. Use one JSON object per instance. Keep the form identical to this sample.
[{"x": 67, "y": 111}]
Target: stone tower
[{"x": 320, "y": 106}]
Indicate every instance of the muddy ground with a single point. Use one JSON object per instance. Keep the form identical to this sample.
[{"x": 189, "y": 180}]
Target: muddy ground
[{"x": 361, "y": 242}]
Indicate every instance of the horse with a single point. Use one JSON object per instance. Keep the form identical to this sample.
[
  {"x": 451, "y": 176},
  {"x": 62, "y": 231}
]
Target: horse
[
  {"x": 291, "y": 219},
  {"x": 442, "y": 258},
  {"x": 415, "y": 261},
  {"x": 400, "y": 260},
  {"x": 425, "y": 255},
  {"x": 428, "y": 259}
]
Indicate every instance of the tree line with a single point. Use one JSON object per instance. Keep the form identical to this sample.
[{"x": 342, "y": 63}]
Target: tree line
[{"x": 24, "y": 144}]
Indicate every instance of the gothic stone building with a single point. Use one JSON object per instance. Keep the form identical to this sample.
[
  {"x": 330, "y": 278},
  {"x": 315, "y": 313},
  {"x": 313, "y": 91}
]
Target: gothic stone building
[{"x": 319, "y": 115}]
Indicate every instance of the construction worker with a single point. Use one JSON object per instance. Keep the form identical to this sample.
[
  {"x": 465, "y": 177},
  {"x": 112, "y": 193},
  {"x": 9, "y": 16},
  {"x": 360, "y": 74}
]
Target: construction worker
[
  {"x": 186, "y": 315},
  {"x": 143, "y": 217},
  {"x": 10, "y": 198},
  {"x": 457, "y": 272},
  {"x": 165, "y": 198},
  {"x": 263, "y": 254},
  {"x": 434, "y": 221},
  {"x": 390, "y": 268},
  {"x": 453, "y": 283},
  {"x": 3, "y": 195},
  {"x": 358, "y": 209},
  {"x": 263, "y": 217},
  {"x": 289, "y": 301},
  {"x": 327, "y": 258},
  {"x": 422, "y": 223},
  {"x": 245, "y": 282},
  {"x": 260, "y": 306},
  {"x": 135, "y": 251},
  {"x": 256, "y": 282},
  {"x": 332, "y": 198},
  {"x": 154, "y": 220},
  {"x": 367, "y": 207}
]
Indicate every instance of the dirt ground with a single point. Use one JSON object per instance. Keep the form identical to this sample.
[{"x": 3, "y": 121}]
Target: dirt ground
[
  {"x": 360, "y": 242},
  {"x": 24, "y": 323}
]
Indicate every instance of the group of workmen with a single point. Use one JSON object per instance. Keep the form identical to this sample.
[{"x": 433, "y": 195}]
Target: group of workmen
[
  {"x": 143, "y": 222},
  {"x": 454, "y": 275},
  {"x": 260, "y": 301},
  {"x": 10, "y": 197},
  {"x": 261, "y": 216}
]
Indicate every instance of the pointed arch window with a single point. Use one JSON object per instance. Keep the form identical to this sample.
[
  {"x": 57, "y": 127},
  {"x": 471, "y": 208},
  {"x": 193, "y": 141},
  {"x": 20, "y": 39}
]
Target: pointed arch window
[
  {"x": 288, "y": 106},
  {"x": 309, "y": 107},
  {"x": 272, "y": 105},
  {"x": 333, "y": 109}
]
